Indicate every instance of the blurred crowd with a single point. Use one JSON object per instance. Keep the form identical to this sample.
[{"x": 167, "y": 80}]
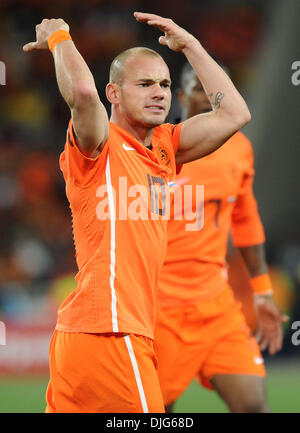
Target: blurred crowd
[{"x": 36, "y": 246}]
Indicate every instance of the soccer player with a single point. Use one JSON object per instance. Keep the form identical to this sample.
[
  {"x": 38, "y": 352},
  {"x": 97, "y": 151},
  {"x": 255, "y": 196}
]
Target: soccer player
[
  {"x": 200, "y": 329},
  {"x": 101, "y": 353}
]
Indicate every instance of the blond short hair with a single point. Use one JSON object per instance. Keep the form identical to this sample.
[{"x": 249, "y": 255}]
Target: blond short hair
[{"x": 117, "y": 65}]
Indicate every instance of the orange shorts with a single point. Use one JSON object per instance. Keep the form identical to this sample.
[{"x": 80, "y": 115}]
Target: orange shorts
[
  {"x": 102, "y": 373},
  {"x": 203, "y": 340}
]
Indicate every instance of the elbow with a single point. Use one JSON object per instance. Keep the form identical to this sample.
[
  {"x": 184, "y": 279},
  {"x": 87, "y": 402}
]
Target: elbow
[
  {"x": 238, "y": 120},
  {"x": 247, "y": 117},
  {"x": 243, "y": 117},
  {"x": 84, "y": 95},
  {"x": 238, "y": 117}
]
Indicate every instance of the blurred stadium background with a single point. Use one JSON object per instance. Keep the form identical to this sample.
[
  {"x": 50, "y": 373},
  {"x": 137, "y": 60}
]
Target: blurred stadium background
[{"x": 258, "y": 40}]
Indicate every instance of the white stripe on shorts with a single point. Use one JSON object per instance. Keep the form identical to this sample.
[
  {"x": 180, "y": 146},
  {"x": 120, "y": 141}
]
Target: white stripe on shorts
[{"x": 136, "y": 373}]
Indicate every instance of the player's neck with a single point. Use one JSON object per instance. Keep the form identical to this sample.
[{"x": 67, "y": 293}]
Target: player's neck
[{"x": 140, "y": 133}]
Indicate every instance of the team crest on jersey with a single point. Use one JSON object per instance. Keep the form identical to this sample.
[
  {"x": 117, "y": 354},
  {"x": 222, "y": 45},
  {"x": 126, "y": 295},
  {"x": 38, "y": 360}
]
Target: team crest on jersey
[{"x": 163, "y": 155}]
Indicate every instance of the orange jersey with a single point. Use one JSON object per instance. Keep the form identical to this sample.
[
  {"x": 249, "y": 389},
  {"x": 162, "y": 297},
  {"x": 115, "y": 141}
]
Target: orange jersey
[
  {"x": 119, "y": 231},
  {"x": 195, "y": 262}
]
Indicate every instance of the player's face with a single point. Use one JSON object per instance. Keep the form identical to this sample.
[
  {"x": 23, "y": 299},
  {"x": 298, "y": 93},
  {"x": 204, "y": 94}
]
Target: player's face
[
  {"x": 194, "y": 100},
  {"x": 145, "y": 94}
]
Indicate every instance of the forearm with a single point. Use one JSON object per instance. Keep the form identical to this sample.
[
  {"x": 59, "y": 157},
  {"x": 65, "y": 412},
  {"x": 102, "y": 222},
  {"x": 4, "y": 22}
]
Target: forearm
[
  {"x": 73, "y": 76},
  {"x": 220, "y": 90},
  {"x": 77, "y": 86},
  {"x": 255, "y": 259}
]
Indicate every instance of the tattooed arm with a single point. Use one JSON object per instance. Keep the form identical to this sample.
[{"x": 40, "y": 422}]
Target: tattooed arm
[
  {"x": 204, "y": 133},
  {"x": 216, "y": 104}
]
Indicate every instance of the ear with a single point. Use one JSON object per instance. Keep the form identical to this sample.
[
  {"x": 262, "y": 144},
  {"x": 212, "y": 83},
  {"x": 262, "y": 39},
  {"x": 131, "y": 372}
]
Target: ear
[{"x": 113, "y": 93}]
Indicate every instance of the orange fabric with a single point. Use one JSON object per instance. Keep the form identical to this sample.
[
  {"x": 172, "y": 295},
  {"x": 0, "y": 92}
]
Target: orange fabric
[
  {"x": 201, "y": 340},
  {"x": 262, "y": 285},
  {"x": 105, "y": 378},
  {"x": 194, "y": 267},
  {"x": 57, "y": 37},
  {"x": 119, "y": 259},
  {"x": 239, "y": 280}
]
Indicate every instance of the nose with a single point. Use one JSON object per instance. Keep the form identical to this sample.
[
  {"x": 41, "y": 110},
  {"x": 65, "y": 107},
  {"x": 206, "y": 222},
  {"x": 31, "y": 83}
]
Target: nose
[{"x": 158, "y": 92}]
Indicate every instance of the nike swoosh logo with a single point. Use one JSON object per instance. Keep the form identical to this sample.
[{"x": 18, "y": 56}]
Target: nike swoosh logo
[
  {"x": 127, "y": 147},
  {"x": 257, "y": 360}
]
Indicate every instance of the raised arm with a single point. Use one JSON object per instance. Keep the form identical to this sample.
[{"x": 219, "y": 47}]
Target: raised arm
[
  {"x": 77, "y": 86},
  {"x": 204, "y": 133}
]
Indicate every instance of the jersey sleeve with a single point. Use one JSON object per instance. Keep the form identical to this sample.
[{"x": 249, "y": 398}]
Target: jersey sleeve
[
  {"x": 176, "y": 129},
  {"x": 247, "y": 228},
  {"x": 77, "y": 167},
  {"x": 176, "y": 136}
]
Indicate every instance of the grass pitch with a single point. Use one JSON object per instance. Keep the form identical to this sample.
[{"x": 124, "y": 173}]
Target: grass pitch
[{"x": 27, "y": 395}]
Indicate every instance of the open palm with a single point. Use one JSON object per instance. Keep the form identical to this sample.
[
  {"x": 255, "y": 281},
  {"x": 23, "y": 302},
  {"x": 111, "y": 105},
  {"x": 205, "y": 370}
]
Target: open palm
[
  {"x": 175, "y": 37},
  {"x": 269, "y": 324}
]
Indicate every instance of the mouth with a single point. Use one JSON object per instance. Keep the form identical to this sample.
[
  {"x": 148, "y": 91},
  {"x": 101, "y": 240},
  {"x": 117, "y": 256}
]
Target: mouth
[{"x": 155, "y": 108}]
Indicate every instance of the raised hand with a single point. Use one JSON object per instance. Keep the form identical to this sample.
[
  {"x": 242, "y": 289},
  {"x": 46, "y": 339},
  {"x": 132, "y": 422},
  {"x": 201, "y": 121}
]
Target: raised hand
[
  {"x": 175, "y": 37},
  {"x": 43, "y": 32},
  {"x": 269, "y": 324}
]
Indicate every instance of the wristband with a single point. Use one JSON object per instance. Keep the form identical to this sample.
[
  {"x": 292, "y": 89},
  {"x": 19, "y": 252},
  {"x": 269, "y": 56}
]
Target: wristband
[
  {"x": 262, "y": 285},
  {"x": 57, "y": 37}
]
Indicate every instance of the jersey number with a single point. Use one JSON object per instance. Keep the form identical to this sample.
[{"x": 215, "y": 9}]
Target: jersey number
[{"x": 156, "y": 184}]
